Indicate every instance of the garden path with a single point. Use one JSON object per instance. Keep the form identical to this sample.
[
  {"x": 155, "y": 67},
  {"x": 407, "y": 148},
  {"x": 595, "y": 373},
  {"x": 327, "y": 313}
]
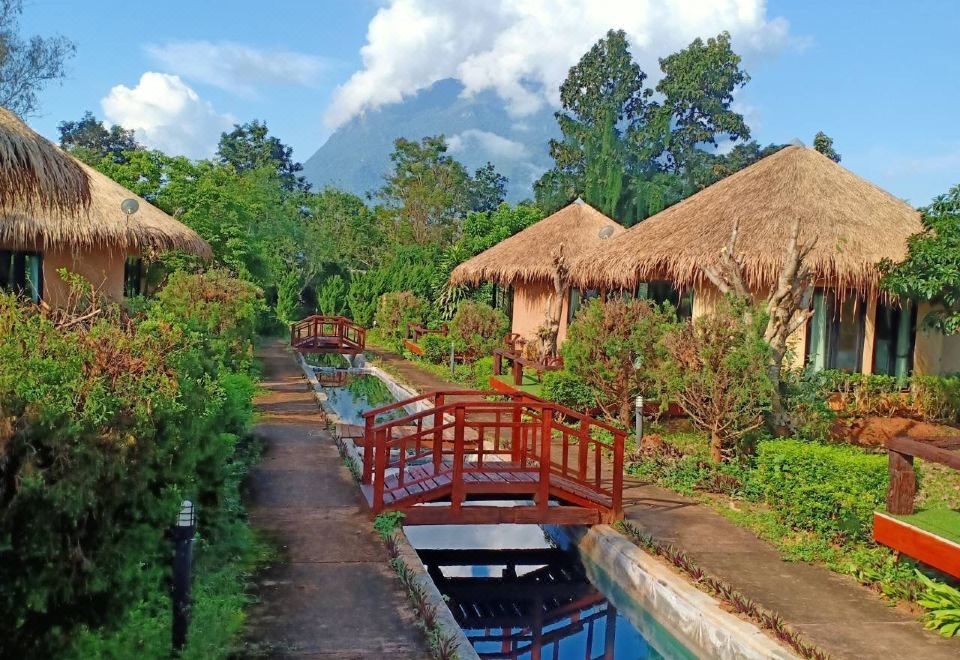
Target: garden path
[
  {"x": 332, "y": 594},
  {"x": 832, "y": 611}
]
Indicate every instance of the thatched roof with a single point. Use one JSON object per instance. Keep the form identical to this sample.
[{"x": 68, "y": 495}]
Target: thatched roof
[
  {"x": 855, "y": 225},
  {"x": 36, "y": 174},
  {"x": 528, "y": 255},
  {"x": 101, "y": 224}
]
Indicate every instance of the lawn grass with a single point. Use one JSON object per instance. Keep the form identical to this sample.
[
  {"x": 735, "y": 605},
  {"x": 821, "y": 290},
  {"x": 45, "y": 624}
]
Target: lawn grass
[
  {"x": 530, "y": 384},
  {"x": 945, "y": 523}
]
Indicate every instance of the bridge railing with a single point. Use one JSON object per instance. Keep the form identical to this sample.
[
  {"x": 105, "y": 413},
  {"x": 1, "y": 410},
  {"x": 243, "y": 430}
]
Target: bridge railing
[
  {"x": 476, "y": 435},
  {"x": 332, "y": 331}
]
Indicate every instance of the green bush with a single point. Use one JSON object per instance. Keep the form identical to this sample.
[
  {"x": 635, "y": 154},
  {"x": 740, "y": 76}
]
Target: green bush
[
  {"x": 477, "y": 328},
  {"x": 105, "y": 426},
  {"x": 436, "y": 348},
  {"x": 332, "y": 296},
  {"x": 396, "y": 309},
  {"x": 936, "y": 398},
  {"x": 831, "y": 489},
  {"x": 568, "y": 390}
]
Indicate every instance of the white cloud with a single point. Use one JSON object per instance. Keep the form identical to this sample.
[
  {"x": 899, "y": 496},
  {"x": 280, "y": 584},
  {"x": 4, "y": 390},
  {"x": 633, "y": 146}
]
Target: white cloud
[
  {"x": 492, "y": 144},
  {"x": 235, "y": 67},
  {"x": 167, "y": 115},
  {"x": 523, "y": 50}
]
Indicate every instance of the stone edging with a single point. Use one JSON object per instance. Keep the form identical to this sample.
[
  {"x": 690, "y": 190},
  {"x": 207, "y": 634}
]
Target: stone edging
[
  {"x": 445, "y": 619},
  {"x": 691, "y": 616}
]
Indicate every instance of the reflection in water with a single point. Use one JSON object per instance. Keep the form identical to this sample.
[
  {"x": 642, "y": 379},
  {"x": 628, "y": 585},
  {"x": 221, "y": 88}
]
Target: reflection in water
[
  {"x": 350, "y": 395},
  {"x": 518, "y": 597}
]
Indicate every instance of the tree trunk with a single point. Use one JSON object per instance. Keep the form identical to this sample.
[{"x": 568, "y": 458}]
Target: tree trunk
[
  {"x": 626, "y": 412},
  {"x": 716, "y": 447}
]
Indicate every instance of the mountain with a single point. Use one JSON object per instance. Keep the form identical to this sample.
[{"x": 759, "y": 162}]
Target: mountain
[{"x": 478, "y": 129}]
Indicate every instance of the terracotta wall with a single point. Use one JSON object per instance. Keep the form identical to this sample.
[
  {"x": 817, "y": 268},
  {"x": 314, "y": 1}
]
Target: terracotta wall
[
  {"x": 530, "y": 309},
  {"x": 103, "y": 267}
]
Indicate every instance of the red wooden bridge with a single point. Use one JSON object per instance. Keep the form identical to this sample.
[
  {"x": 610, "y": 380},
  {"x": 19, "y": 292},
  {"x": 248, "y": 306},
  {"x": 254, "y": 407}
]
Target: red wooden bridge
[
  {"x": 439, "y": 465},
  {"x": 327, "y": 334}
]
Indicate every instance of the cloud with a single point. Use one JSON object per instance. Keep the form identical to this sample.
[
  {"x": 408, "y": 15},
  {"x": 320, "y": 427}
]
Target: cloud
[
  {"x": 493, "y": 144},
  {"x": 235, "y": 67},
  {"x": 523, "y": 50},
  {"x": 167, "y": 115}
]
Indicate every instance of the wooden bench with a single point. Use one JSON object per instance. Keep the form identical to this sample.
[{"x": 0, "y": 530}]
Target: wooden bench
[{"x": 518, "y": 363}]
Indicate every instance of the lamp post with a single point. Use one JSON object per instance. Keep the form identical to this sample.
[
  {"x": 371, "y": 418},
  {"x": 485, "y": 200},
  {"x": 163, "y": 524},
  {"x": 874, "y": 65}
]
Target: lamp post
[
  {"x": 638, "y": 405},
  {"x": 183, "y": 532}
]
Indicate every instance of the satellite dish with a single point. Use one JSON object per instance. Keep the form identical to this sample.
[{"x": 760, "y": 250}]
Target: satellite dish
[
  {"x": 605, "y": 232},
  {"x": 129, "y": 206}
]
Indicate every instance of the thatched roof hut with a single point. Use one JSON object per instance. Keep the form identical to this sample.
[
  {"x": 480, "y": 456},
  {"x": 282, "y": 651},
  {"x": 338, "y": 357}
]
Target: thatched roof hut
[
  {"x": 855, "y": 225},
  {"x": 35, "y": 174},
  {"x": 101, "y": 224},
  {"x": 528, "y": 255}
]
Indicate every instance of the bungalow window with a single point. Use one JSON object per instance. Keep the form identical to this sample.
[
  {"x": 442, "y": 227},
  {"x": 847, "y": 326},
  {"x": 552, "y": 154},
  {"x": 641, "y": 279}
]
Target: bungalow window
[
  {"x": 577, "y": 298},
  {"x": 661, "y": 291},
  {"x": 133, "y": 277},
  {"x": 22, "y": 273},
  {"x": 835, "y": 332},
  {"x": 895, "y": 334}
]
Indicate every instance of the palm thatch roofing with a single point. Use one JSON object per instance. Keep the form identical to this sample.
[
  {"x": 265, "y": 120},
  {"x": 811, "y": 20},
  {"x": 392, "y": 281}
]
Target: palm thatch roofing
[
  {"x": 527, "y": 256},
  {"x": 35, "y": 174},
  {"x": 101, "y": 224},
  {"x": 854, "y": 225}
]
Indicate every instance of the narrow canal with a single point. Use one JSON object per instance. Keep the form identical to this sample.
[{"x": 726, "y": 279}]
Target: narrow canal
[{"x": 515, "y": 590}]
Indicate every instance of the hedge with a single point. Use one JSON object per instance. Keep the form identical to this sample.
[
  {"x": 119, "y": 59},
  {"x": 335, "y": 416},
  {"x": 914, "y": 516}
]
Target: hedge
[{"x": 831, "y": 489}]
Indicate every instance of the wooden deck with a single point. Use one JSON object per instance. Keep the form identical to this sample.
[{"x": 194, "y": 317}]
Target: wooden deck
[
  {"x": 440, "y": 465},
  {"x": 327, "y": 334}
]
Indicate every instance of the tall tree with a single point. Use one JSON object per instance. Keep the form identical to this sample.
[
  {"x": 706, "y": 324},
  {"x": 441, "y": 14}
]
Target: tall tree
[
  {"x": 27, "y": 65},
  {"x": 824, "y": 144},
  {"x": 250, "y": 146},
  {"x": 427, "y": 191},
  {"x": 697, "y": 85},
  {"x": 90, "y": 140},
  {"x": 931, "y": 270},
  {"x": 487, "y": 189}
]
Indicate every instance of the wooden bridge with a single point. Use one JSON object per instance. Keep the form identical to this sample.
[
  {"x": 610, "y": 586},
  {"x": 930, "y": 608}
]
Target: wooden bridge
[
  {"x": 327, "y": 334},
  {"x": 439, "y": 465}
]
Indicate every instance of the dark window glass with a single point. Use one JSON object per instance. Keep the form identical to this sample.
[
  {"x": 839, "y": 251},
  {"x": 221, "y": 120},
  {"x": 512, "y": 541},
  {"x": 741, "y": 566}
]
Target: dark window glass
[
  {"x": 577, "y": 298},
  {"x": 661, "y": 291},
  {"x": 835, "y": 332},
  {"x": 22, "y": 273},
  {"x": 133, "y": 277},
  {"x": 895, "y": 334}
]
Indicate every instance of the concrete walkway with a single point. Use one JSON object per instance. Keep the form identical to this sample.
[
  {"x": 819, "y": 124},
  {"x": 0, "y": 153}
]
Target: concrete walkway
[
  {"x": 833, "y": 611},
  {"x": 333, "y": 595}
]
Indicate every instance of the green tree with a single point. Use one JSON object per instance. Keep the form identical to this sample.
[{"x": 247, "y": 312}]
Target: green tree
[
  {"x": 824, "y": 144},
  {"x": 427, "y": 191},
  {"x": 332, "y": 296},
  {"x": 91, "y": 141},
  {"x": 698, "y": 85},
  {"x": 614, "y": 347},
  {"x": 250, "y": 146},
  {"x": 931, "y": 270},
  {"x": 27, "y": 65},
  {"x": 487, "y": 189}
]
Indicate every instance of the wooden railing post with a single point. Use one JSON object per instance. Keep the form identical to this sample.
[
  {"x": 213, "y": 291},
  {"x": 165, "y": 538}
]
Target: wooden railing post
[
  {"x": 517, "y": 455},
  {"x": 459, "y": 492},
  {"x": 546, "y": 440},
  {"x": 903, "y": 483},
  {"x": 380, "y": 471},
  {"x": 618, "y": 441},
  {"x": 584, "y": 446},
  {"x": 368, "y": 441},
  {"x": 517, "y": 371},
  {"x": 497, "y": 363},
  {"x": 437, "y": 432}
]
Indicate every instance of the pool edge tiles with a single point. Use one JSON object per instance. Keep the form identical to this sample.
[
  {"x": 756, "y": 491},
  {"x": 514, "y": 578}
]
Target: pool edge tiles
[{"x": 693, "y": 618}]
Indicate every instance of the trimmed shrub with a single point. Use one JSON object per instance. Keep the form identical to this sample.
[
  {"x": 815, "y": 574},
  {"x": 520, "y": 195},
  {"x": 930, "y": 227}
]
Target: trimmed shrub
[
  {"x": 477, "y": 328},
  {"x": 436, "y": 348},
  {"x": 568, "y": 390},
  {"x": 396, "y": 309},
  {"x": 831, "y": 489}
]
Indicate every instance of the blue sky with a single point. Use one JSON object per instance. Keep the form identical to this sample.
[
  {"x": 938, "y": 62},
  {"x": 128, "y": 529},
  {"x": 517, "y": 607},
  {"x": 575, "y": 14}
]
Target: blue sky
[{"x": 880, "y": 77}]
